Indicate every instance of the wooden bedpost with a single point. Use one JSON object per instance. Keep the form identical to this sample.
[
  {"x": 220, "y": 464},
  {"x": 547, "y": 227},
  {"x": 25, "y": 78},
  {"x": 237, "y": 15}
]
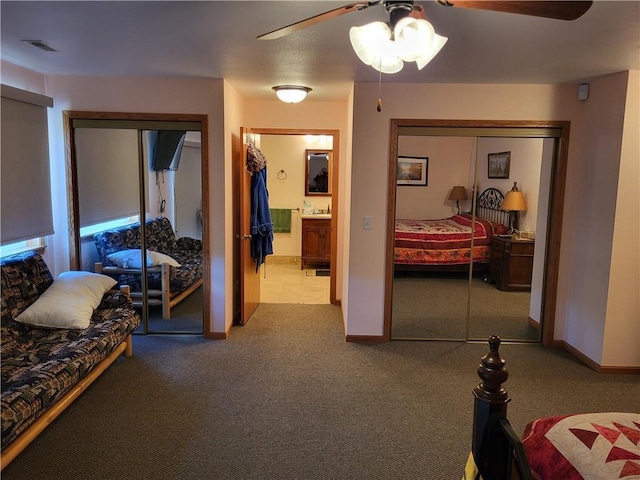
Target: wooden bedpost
[{"x": 490, "y": 404}]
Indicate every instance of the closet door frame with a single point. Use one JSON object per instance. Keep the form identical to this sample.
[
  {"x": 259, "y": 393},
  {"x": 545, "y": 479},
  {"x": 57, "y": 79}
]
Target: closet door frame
[
  {"x": 138, "y": 121},
  {"x": 556, "y": 129}
]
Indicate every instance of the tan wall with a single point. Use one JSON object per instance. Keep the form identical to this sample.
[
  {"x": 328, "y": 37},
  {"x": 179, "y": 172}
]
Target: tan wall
[
  {"x": 622, "y": 330},
  {"x": 370, "y": 152},
  {"x": 593, "y": 177},
  {"x": 602, "y": 155},
  {"x": 594, "y": 153},
  {"x": 310, "y": 115},
  {"x": 450, "y": 161},
  {"x": 286, "y": 184},
  {"x": 176, "y": 95},
  {"x": 233, "y": 120}
]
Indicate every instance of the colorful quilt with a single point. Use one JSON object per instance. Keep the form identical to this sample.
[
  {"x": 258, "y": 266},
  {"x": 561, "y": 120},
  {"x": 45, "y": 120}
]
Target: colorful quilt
[
  {"x": 444, "y": 241},
  {"x": 593, "y": 446}
]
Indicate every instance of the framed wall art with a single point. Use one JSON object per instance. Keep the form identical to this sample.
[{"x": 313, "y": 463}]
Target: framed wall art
[
  {"x": 498, "y": 165},
  {"x": 412, "y": 171}
]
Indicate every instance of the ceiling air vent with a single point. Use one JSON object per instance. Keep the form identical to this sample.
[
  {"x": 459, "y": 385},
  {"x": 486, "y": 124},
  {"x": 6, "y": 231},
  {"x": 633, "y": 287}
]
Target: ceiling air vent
[{"x": 41, "y": 45}]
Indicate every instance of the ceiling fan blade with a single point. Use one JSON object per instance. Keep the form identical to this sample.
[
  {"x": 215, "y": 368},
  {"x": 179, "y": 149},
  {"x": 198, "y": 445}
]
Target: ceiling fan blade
[
  {"x": 560, "y": 10},
  {"x": 336, "y": 12}
]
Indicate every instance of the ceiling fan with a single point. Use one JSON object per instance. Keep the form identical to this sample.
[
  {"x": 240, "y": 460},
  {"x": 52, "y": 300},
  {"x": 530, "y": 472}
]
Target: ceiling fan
[
  {"x": 560, "y": 10},
  {"x": 409, "y": 37}
]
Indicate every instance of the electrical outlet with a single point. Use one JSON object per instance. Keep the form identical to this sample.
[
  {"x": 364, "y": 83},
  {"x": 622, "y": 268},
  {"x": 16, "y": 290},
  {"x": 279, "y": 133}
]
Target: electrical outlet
[{"x": 367, "y": 224}]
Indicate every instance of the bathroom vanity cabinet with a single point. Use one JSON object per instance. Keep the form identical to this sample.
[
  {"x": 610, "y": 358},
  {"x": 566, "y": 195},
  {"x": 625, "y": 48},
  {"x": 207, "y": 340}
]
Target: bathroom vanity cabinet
[{"x": 316, "y": 241}]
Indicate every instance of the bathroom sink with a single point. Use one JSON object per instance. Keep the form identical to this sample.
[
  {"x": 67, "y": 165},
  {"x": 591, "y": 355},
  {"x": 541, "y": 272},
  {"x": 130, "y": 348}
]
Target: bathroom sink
[{"x": 315, "y": 215}]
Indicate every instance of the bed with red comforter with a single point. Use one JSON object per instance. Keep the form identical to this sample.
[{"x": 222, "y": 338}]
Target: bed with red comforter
[
  {"x": 445, "y": 242},
  {"x": 581, "y": 446}
]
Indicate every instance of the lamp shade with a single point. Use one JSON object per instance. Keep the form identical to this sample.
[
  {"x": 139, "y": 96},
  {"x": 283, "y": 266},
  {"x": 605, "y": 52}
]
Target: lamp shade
[
  {"x": 458, "y": 193},
  {"x": 291, "y": 93},
  {"x": 514, "y": 200}
]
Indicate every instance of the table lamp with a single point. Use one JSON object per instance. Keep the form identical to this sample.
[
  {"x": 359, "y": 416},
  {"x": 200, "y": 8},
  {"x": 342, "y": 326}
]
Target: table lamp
[
  {"x": 514, "y": 203},
  {"x": 458, "y": 193}
]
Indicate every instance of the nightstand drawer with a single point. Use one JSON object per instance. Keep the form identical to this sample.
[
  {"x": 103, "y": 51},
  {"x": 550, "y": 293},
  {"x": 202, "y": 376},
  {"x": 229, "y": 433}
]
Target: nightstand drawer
[{"x": 521, "y": 247}]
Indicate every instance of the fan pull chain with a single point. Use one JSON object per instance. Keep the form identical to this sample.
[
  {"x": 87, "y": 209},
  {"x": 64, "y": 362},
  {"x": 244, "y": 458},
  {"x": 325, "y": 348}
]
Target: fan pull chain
[{"x": 379, "y": 104}]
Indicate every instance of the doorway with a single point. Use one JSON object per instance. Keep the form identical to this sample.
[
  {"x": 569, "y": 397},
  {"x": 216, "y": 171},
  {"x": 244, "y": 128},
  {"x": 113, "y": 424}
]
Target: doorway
[{"x": 299, "y": 209}]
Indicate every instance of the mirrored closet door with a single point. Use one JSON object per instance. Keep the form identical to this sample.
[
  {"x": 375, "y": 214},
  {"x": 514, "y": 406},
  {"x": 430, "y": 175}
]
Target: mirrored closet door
[
  {"x": 466, "y": 263},
  {"x": 135, "y": 184}
]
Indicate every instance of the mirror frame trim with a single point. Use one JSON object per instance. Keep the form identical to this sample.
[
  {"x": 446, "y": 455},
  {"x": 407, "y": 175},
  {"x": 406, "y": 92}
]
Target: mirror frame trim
[
  {"x": 556, "y": 210},
  {"x": 69, "y": 116}
]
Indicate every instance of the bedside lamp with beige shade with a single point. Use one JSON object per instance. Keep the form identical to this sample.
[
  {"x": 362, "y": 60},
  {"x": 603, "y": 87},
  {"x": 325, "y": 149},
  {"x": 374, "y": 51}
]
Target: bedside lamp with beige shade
[
  {"x": 458, "y": 193},
  {"x": 514, "y": 203}
]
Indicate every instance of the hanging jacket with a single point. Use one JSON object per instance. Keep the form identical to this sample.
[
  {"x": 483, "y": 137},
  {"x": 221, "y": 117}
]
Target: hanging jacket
[{"x": 261, "y": 226}]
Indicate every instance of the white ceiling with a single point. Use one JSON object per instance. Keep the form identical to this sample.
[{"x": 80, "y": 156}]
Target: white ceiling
[{"x": 218, "y": 39}]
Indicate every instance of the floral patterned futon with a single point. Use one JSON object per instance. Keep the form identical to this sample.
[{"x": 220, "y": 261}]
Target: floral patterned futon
[
  {"x": 41, "y": 365},
  {"x": 445, "y": 241},
  {"x": 160, "y": 238}
]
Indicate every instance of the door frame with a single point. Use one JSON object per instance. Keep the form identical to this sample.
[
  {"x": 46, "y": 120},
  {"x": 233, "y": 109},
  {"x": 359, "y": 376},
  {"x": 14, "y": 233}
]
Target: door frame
[
  {"x": 335, "y": 134},
  {"x": 555, "y": 217},
  {"x": 137, "y": 121}
]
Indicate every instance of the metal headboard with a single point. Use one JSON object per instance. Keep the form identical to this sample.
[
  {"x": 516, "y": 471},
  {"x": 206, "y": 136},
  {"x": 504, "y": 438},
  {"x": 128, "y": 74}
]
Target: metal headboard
[{"x": 488, "y": 207}]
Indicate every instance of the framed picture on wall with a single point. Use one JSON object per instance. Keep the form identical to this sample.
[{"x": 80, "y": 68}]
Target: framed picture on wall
[
  {"x": 498, "y": 165},
  {"x": 412, "y": 171}
]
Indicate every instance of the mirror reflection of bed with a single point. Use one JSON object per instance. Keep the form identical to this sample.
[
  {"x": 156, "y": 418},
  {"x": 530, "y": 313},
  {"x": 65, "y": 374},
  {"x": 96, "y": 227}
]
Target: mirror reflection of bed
[{"x": 438, "y": 293}]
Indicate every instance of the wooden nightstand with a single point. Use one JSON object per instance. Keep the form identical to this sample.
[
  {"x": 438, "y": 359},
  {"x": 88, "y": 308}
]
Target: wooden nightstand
[{"x": 511, "y": 263}]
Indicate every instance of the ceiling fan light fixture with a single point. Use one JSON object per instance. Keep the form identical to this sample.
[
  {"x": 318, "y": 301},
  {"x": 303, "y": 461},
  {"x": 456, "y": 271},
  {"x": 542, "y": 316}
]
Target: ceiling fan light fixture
[
  {"x": 370, "y": 41},
  {"x": 436, "y": 45},
  {"x": 291, "y": 93},
  {"x": 373, "y": 46},
  {"x": 413, "y": 38}
]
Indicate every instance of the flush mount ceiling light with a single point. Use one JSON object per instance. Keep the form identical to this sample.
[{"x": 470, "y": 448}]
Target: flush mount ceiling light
[
  {"x": 412, "y": 40},
  {"x": 291, "y": 93}
]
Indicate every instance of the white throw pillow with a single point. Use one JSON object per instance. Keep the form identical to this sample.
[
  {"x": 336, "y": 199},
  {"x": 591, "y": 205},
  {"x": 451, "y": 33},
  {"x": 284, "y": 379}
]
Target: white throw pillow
[
  {"x": 69, "y": 301},
  {"x": 132, "y": 259}
]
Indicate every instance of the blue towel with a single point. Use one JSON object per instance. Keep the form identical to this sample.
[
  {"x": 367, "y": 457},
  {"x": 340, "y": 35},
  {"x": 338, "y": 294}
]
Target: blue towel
[{"x": 281, "y": 218}]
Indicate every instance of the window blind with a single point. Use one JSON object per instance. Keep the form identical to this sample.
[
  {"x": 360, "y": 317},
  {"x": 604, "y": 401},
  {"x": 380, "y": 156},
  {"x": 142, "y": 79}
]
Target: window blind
[
  {"x": 108, "y": 176},
  {"x": 25, "y": 194}
]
